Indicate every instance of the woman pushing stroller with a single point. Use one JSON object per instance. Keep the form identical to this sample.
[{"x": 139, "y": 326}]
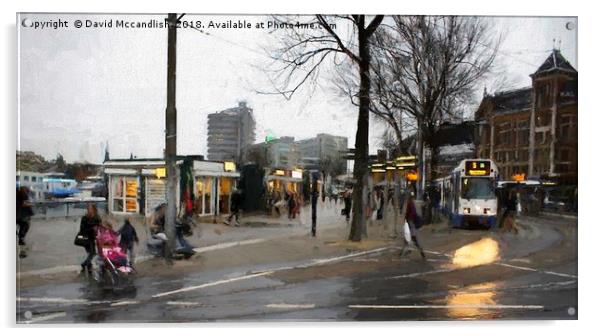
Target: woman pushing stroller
[
  {"x": 96, "y": 235},
  {"x": 87, "y": 229}
]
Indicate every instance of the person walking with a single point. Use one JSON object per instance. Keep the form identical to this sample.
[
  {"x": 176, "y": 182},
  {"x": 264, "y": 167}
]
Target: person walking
[
  {"x": 128, "y": 237},
  {"x": 347, "y": 203},
  {"x": 380, "y": 203},
  {"x": 24, "y": 213},
  {"x": 298, "y": 204},
  {"x": 509, "y": 218},
  {"x": 292, "y": 204},
  {"x": 87, "y": 228},
  {"x": 412, "y": 218},
  {"x": 235, "y": 203},
  {"x": 436, "y": 204}
]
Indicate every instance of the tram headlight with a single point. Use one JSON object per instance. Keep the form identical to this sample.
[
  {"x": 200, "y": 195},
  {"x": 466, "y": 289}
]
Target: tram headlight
[{"x": 466, "y": 210}]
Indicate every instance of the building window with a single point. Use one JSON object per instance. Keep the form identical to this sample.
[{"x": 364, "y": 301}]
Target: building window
[
  {"x": 500, "y": 156},
  {"x": 562, "y": 155},
  {"x": 562, "y": 168},
  {"x": 125, "y": 194},
  {"x": 542, "y": 118},
  {"x": 523, "y": 133},
  {"x": 540, "y": 138},
  {"x": 204, "y": 194},
  {"x": 568, "y": 127},
  {"x": 26, "y": 178},
  {"x": 505, "y": 133},
  {"x": 544, "y": 95}
]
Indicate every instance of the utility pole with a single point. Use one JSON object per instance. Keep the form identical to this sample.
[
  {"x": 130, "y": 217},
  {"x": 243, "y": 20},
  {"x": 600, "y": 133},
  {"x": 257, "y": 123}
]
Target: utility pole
[
  {"x": 170, "y": 136},
  {"x": 314, "y": 202}
]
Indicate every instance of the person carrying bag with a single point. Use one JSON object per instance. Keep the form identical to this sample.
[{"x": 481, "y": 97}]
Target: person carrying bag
[
  {"x": 86, "y": 237},
  {"x": 413, "y": 222}
]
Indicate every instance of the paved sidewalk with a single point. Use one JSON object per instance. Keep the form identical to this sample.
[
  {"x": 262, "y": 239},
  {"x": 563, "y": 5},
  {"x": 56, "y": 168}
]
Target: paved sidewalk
[{"x": 51, "y": 250}]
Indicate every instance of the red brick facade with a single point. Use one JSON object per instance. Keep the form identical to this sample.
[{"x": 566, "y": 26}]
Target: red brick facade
[{"x": 533, "y": 131}]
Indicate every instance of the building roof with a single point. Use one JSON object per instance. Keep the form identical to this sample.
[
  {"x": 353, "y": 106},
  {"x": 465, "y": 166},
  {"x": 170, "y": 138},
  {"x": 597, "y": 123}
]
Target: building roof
[
  {"x": 455, "y": 134},
  {"x": 514, "y": 100},
  {"x": 555, "y": 62}
]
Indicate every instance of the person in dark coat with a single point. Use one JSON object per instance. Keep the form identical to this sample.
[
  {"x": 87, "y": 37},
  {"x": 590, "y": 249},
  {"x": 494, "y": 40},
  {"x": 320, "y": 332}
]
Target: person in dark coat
[
  {"x": 87, "y": 228},
  {"x": 128, "y": 237},
  {"x": 292, "y": 205},
  {"x": 510, "y": 205},
  {"x": 24, "y": 213},
  {"x": 235, "y": 203},
  {"x": 380, "y": 206},
  {"x": 347, "y": 202},
  {"x": 411, "y": 216}
]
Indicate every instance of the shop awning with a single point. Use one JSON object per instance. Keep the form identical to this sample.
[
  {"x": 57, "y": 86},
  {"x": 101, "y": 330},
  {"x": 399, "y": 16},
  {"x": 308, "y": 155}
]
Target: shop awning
[
  {"x": 214, "y": 173},
  {"x": 284, "y": 178},
  {"x": 120, "y": 171}
]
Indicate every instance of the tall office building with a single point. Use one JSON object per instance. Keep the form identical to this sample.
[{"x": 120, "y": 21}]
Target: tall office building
[{"x": 229, "y": 132}]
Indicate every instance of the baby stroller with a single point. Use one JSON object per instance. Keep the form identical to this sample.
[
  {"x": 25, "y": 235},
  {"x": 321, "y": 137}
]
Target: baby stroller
[{"x": 112, "y": 262}]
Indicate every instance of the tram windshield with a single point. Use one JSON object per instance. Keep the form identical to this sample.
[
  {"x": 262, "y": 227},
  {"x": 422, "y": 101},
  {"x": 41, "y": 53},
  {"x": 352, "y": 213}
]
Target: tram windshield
[{"x": 477, "y": 188}]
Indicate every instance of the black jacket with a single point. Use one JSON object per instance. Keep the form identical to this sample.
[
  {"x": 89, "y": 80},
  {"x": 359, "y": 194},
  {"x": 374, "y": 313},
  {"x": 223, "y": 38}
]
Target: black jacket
[
  {"x": 128, "y": 235},
  {"x": 235, "y": 201},
  {"x": 88, "y": 225},
  {"x": 511, "y": 202}
]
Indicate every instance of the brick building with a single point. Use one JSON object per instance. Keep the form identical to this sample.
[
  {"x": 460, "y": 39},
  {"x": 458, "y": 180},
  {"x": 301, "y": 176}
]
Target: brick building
[{"x": 533, "y": 130}]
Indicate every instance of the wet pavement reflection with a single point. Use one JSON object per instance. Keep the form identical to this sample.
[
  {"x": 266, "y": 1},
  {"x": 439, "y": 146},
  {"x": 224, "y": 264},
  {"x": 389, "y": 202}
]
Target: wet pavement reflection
[
  {"x": 472, "y": 302},
  {"x": 481, "y": 252}
]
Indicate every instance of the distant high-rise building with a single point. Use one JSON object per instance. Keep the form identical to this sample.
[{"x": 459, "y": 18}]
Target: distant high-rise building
[
  {"x": 320, "y": 148},
  {"x": 229, "y": 132},
  {"x": 276, "y": 153}
]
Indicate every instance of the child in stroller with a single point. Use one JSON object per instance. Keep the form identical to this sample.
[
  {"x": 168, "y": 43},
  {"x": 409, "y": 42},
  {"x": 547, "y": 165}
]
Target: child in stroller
[{"x": 111, "y": 257}]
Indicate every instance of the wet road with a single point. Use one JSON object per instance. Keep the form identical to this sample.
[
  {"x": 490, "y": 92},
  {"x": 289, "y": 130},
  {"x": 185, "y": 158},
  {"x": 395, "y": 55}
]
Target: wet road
[{"x": 467, "y": 275}]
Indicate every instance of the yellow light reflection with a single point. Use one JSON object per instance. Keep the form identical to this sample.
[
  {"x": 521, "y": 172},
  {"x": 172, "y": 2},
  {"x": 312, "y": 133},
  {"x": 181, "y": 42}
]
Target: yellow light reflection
[
  {"x": 471, "y": 303},
  {"x": 484, "y": 251}
]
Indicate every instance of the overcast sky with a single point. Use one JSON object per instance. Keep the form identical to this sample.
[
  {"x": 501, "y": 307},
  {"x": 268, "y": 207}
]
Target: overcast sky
[{"x": 80, "y": 88}]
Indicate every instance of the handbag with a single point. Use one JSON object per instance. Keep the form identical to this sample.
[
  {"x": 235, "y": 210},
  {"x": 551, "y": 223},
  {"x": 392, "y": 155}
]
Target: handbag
[
  {"x": 81, "y": 240},
  {"x": 407, "y": 234},
  {"x": 374, "y": 215},
  {"x": 418, "y": 222}
]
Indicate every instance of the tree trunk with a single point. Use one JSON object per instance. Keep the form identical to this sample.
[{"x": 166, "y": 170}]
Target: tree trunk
[
  {"x": 360, "y": 166},
  {"x": 434, "y": 163}
]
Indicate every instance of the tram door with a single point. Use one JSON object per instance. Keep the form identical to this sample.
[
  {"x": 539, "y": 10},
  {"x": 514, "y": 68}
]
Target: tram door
[{"x": 456, "y": 191}]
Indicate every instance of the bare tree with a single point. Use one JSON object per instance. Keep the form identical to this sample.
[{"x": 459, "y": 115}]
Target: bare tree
[
  {"x": 304, "y": 47},
  {"x": 425, "y": 69}
]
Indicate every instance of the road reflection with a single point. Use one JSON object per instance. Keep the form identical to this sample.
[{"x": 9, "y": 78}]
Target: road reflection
[
  {"x": 482, "y": 252},
  {"x": 472, "y": 302}
]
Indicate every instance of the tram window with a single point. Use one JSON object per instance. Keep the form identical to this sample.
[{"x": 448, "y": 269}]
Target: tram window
[{"x": 477, "y": 188}]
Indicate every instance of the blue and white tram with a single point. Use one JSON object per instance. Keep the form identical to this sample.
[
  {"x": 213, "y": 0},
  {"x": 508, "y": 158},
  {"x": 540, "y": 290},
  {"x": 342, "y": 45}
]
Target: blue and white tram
[{"x": 468, "y": 194}]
